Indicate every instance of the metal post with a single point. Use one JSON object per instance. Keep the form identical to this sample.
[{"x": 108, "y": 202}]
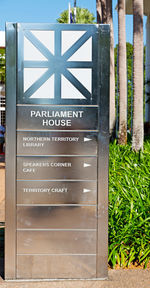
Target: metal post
[{"x": 10, "y": 218}]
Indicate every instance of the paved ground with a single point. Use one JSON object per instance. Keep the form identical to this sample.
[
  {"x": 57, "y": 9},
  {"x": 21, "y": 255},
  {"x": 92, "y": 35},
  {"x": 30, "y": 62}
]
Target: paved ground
[{"x": 136, "y": 278}]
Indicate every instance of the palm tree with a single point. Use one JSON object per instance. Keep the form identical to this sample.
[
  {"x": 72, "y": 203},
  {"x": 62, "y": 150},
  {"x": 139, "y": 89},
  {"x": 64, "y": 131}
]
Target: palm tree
[
  {"x": 84, "y": 16},
  {"x": 147, "y": 76},
  {"x": 122, "y": 139},
  {"x": 101, "y": 11},
  {"x": 98, "y": 11},
  {"x": 112, "y": 68},
  {"x": 138, "y": 134},
  {"x": 104, "y": 15}
]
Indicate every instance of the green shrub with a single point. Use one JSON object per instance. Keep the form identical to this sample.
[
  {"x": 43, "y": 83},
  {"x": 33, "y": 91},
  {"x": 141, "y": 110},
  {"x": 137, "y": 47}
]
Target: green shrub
[{"x": 129, "y": 206}]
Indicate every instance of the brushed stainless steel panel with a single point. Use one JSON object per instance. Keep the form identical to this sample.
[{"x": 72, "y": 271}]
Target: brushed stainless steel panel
[
  {"x": 50, "y": 118},
  {"x": 56, "y": 242},
  {"x": 10, "y": 216},
  {"x": 46, "y": 168},
  {"x": 57, "y": 217},
  {"x": 56, "y": 143},
  {"x": 47, "y": 192},
  {"x": 56, "y": 266},
  {"x": 103, "y": 151},
  {"x": 86, "y": 118}
]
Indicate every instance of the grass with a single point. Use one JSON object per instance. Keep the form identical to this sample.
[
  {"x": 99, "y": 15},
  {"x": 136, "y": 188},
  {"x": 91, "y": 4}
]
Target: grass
[{"x": 129, "y": 206}]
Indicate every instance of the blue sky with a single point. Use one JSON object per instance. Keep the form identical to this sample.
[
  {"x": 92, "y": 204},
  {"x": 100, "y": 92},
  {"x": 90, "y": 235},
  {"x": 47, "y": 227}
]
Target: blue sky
[{"x": 49, "y": 11}]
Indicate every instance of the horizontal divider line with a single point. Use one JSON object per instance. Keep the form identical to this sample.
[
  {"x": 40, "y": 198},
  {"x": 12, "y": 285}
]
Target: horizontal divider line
[
  {"x": 31, "y": 130},
  {"x": 58, "y": 205},
  {"x": 56, "y": 105},
  {"x": 54, "y": 279},
  {"x": 39, "y": 229},
  {"x": 56, "y": 180},
  {"x": 58, "y": 155},
  {"x": 71, "y": 254}
]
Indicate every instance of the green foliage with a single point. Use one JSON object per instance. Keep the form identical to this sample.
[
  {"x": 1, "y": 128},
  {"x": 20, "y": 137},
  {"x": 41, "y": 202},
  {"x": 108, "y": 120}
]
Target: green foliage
[
  {"x": 2, "y": 65},
  {"x": 129, "y": 202},
  {"x": 84, "y": 16}
]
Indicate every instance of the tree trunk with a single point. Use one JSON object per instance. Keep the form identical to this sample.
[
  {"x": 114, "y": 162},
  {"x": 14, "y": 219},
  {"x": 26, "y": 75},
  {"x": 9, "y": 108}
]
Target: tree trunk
[
  {"x": 101, "y": 11},
  {"x": 122, "y": 139},
  {"x": 112, "y": 116},
  {"x": 147, "y": 66},
  {"x": 138, "y": 135}
]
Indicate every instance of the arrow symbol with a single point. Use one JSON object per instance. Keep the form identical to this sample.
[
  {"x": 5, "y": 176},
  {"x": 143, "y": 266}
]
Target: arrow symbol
[
  {"x": 86, "y": 190},
  {"x": 87, "y": 139},
  {"x": 86, "y": 165}
]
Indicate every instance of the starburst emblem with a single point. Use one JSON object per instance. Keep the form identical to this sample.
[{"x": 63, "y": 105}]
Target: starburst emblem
[{"x": 57, "y": 65}]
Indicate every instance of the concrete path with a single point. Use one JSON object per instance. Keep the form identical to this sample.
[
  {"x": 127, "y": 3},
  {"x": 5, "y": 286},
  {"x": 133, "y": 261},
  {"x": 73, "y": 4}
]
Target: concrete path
[{"x": 136, "y": 278}]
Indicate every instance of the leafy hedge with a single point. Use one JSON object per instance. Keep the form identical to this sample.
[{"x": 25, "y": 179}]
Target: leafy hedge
[{"x": 129, "y": 206}]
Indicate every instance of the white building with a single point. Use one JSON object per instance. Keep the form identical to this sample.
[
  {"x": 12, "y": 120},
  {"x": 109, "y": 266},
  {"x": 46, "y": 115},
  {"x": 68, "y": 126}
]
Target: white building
[{"x": 2, "y": 39}]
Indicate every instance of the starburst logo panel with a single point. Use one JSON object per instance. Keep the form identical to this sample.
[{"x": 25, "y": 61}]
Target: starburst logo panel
[{"x": 58, "y": 65}]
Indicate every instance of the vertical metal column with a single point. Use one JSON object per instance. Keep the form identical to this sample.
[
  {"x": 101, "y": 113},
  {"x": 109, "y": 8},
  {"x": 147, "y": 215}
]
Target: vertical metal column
[
  {"x": 10, "y": 232},
  {"x": 103, "y": 152}
]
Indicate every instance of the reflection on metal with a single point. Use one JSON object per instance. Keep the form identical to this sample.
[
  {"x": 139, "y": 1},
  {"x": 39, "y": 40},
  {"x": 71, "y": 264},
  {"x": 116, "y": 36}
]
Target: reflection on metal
[
  {"x": 10, "y": 198},
  {"x": 57, "y": 151},
  {"x": 56, "y": 217},
  {"x": 56, "y": 266},
  {"x": 60, "y": 192},
  {"x": 56, "y": 242},
  {"x": 57, "y": 118},
  {"x": 56, "y": 143},
  {"x": 45, "y": 168}
]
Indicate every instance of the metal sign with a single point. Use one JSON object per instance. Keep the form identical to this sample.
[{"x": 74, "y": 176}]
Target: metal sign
[{"x": 57, "y": 151}]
